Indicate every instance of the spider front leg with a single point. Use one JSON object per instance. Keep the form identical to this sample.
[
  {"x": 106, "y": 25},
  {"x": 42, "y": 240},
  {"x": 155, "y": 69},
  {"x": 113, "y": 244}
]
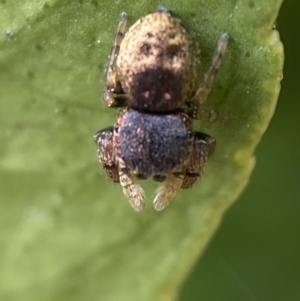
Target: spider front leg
[
  {"x": 104, "y": 141},
  {"x": 167, "y": 192},
  {"x": 117, "y": 173},
  {"x": 203, "y": 147},
  {"x": 114, "y": 95},
  {"x": 134, "y": 193},
  {"x": 210, "y": 75}
]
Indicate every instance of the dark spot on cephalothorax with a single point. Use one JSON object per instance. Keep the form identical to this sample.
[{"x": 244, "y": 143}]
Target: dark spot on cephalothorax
[
  {"x": 172, "y": 35},
  {"x": 150, "y": 35},
  {"x": 175, "y": 50},
  {"x": 251, "y": 3},
  {"x": 146, "y": 49},
  {"x": 156, "y": 90}
]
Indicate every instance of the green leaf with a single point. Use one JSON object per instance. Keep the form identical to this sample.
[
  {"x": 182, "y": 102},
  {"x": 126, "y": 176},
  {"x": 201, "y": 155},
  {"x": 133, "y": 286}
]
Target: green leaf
[{"x": 67, "y": 233}]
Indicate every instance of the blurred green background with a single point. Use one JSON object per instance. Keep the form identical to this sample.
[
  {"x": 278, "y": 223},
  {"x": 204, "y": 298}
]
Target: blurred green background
[{"x": 255, "y": 254}]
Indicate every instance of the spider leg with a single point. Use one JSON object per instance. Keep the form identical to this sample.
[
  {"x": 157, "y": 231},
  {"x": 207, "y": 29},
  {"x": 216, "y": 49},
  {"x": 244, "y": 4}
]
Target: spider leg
[
  {"x": 204, "y": 146},
  {"x": 103, "y": 139},
  {"x": 113, "y": 92},
  {"x": 168, "y": 191},
  {"x": 207, "y": 114},
  {"x": 210, "y": 75},
  {"x": 132, "y": 191}
]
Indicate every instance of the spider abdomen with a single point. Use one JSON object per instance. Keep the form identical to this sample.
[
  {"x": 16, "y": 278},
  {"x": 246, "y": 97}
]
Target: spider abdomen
[{"x": 151, "y": 144}]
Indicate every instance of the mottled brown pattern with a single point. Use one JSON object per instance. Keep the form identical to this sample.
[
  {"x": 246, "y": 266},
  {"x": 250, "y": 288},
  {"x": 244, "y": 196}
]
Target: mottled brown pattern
[
  {"x": 104, "y": 141},
  {"x": 159, "y": 41},
  {"x": 154, "y": 71}
]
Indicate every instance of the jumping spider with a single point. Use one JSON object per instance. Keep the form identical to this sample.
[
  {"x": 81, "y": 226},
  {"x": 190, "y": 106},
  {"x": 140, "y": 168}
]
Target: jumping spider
[{"x": 153, "y": 71}]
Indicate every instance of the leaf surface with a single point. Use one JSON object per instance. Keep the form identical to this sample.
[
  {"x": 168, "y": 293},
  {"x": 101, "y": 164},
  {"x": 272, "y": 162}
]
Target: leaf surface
[{"x": 67, "y": 233}]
